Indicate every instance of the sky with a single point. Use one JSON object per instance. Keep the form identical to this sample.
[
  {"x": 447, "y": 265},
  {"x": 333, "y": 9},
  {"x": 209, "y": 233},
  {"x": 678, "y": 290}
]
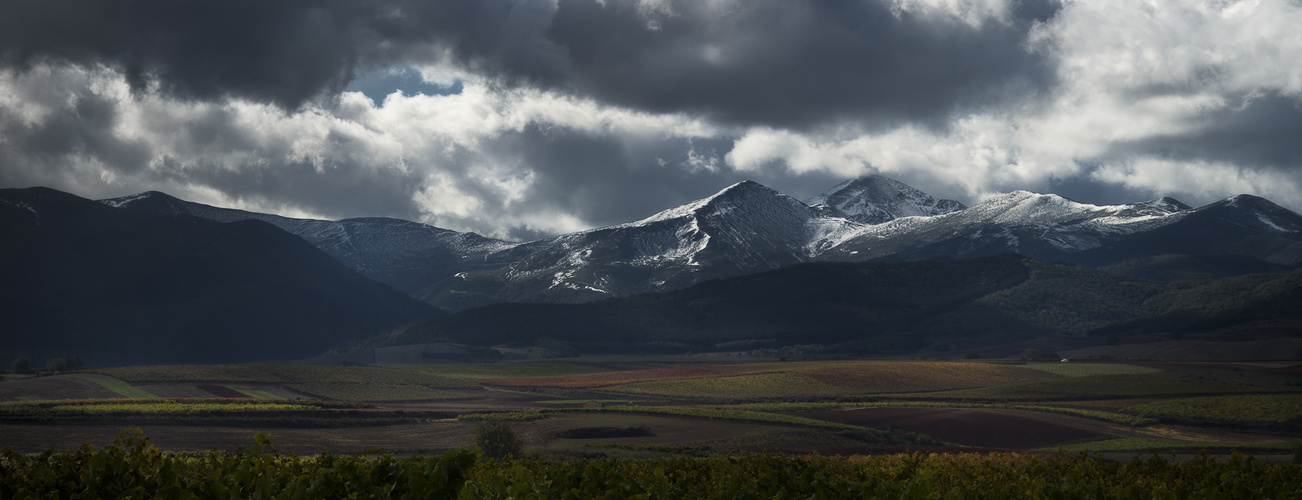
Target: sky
[{"x": 520, "y": 119}]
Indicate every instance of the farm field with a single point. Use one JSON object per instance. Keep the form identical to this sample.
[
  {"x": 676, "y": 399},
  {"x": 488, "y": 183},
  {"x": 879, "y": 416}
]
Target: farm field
[{"x": 638, "y": 407}]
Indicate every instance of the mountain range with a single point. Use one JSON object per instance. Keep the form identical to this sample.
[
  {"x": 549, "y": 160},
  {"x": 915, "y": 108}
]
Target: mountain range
[
  {"x": 80, "y": 278},
  {"x": 748, "y": 228},
  {"x": 152, "y": 278},
  {"x": 865, "y": 307}
]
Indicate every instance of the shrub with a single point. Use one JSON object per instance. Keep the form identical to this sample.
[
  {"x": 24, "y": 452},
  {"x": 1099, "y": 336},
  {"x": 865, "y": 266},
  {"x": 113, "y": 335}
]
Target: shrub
[{"x": 496, "y": 439}]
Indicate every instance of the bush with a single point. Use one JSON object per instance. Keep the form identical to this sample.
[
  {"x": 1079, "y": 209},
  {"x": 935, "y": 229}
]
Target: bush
[{"x": 496, "y": 440}]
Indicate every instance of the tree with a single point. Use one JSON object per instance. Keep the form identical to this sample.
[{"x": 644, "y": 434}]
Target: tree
[
  {"x": 22, "y": 365},
  {"x": 496, "y": 439}
]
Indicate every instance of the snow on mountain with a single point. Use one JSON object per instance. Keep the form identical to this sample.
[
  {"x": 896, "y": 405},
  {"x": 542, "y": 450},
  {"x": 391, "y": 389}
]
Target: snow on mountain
[
  {"x": 406, "y": 255},
  {"x": 748, "y": 228},
  {"x": 744, "y": 228},
  {"x": 1045, "y": 226},
  {"x": 875, "y": 199}
]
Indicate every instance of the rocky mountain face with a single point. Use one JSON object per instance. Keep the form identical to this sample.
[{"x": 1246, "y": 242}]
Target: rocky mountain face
[
  {"x": 875, "y": 199},
  {"x": 745, "y": 228},
  {"x": 748, "y": 228}
]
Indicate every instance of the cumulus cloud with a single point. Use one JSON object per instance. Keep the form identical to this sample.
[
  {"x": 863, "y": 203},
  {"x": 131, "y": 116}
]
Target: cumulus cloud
[
  {"x": 1193, "y": 99},
  {"x": 518, "y": 163},
  {"x": 525, "y": 118}
]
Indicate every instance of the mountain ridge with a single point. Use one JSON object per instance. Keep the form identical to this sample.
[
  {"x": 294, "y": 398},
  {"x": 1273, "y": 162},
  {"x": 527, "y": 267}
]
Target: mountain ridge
[
  {"x": 747, "y": 227},
  {"x": 115, "y": 287}
]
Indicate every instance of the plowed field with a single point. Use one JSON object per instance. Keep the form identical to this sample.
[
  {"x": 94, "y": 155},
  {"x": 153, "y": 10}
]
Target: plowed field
[{"x": 985, "y": 428}]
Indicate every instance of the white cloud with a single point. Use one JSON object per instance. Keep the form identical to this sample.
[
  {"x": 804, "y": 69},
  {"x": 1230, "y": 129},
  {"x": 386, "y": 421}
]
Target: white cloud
[{"x": 1129, "y": 72}]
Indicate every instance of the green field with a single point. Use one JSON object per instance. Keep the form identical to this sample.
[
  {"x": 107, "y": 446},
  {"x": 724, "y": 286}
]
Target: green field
[
  {"x": 115, "y": 385},
  {"x": 1251, "y": 409},
  {"x": 1087, "y": 369},
  {"x": 1098, "y": 386},
  {"x": 696, "y": 406}
]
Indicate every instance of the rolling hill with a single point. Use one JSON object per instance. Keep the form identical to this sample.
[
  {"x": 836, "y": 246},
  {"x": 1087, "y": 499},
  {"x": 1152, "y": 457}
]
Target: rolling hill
[{"x": 115, "y": 286}]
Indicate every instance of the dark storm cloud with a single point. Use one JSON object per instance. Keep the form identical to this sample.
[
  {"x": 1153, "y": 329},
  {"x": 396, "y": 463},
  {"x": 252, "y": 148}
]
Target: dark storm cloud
[
  {"x": 775, "y": 62},
  {"x": 789, "y": 63},
  {"x": 1266, "y": 132},
  {"x": 285, "y": 52},
  {"x": 605, "y": 180}
]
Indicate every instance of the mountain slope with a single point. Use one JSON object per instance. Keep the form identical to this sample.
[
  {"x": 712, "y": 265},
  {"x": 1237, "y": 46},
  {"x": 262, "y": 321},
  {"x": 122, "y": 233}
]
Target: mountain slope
[
  {"x": 875, "y": 199},
  {"x": 1238, "y": 235},
  {"x": 406, "y": 255},
  {"x": 1040, "y": 226},
  {"x": 748, "y": 228},
  {"x": 865, "y": 307},
  {"x": 118, "y": 286},
  {"x": 745, "y": 228}
]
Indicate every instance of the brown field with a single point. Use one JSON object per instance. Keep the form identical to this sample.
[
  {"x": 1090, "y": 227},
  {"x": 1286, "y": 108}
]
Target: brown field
[
  {"x": 978, "y": 427},
  {"x": 404, "y": 409},
  {"x": 612, "y": 378},
  {"x": 40, "y": 388}
]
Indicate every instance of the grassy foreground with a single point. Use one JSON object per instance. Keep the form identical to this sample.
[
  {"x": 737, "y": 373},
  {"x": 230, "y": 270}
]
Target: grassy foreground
[{"x": 132, "y": 468}]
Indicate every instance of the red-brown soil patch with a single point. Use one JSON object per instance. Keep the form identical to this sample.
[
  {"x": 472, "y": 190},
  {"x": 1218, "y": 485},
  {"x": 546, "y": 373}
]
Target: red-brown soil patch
[
  {"x": 53, "y": 388},
  {"x": 981, "y": 427}
]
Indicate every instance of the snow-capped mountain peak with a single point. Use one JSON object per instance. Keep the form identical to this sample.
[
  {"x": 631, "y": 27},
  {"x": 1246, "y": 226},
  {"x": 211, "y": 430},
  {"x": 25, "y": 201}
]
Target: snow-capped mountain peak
[{"x": 875, "y": 199}]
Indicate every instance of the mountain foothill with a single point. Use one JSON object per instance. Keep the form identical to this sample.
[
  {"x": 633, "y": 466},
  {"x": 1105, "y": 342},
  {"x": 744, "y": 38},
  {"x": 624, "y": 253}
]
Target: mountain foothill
[{"x": 872, "y": 265}]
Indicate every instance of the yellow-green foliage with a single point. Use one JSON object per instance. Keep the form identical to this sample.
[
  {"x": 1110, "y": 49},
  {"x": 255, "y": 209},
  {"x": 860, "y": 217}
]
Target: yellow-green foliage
[
  {"x": 1156, "y": 384},
  {"x": 122, "y": 388},
  {"x": 1262, "y": 409},
  {"x": 490, "y": 371},
  {"x": 1087, "y": 369},
  {"x": 1146, "y": 444},
  {"x": 132, "y": 468},
  {"x": 253, "y": 392},
  {"x": 506, "y": 416},
  {"x": 375, "y": 393}
]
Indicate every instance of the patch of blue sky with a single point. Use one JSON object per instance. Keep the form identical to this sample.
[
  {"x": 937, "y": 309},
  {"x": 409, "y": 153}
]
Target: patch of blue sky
[{"x": 406, "y": 79}]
